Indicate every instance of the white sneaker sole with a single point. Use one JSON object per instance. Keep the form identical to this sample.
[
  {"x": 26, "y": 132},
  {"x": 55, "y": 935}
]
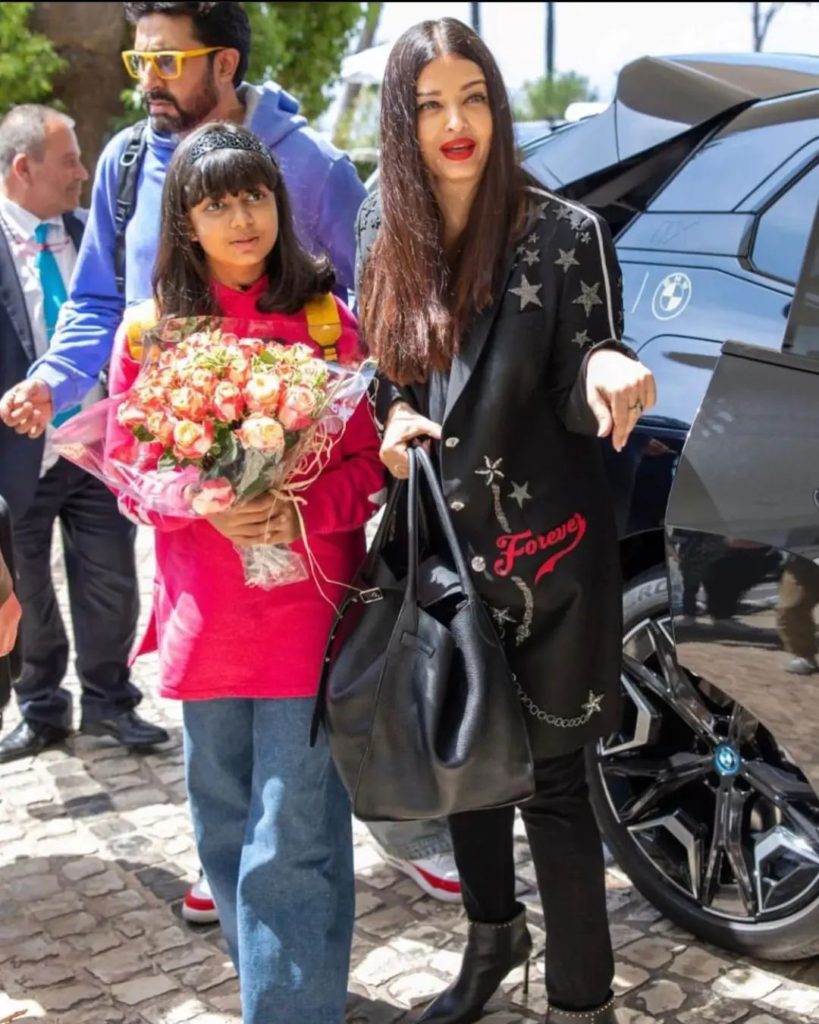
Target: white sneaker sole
[
  {"x": 194, "y": 915},
  {"x": 425, "y": 881}
]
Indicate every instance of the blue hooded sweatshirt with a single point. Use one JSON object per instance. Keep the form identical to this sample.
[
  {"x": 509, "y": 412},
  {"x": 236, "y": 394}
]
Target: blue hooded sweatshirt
[{"x": 325, "y": 194}]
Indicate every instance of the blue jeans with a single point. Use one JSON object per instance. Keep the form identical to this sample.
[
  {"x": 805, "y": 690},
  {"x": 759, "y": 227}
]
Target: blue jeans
[{"x": 273, "y": 830}]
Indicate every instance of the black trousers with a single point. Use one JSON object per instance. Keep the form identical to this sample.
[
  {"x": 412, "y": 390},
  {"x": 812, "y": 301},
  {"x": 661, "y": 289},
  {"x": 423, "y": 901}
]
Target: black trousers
[
  {"x": 568, "y": 858},
  {"x": 100, "y": 565}
]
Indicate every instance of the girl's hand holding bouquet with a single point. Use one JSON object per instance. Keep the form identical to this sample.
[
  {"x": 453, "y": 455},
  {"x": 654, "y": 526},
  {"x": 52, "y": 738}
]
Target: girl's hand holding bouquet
[{"x": 225, "y": 424}]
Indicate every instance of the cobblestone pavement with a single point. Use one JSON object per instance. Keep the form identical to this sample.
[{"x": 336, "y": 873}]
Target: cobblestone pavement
[{"x": 96, "y": 852}]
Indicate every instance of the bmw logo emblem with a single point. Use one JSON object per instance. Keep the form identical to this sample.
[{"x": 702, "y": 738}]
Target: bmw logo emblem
[
  {"x": 671, "y": 296},
  {"x": 726, "y": 760}
]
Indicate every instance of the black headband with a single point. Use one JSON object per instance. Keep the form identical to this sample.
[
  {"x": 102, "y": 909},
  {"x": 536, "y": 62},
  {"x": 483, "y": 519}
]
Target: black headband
[{"x": 223, "y": 139}]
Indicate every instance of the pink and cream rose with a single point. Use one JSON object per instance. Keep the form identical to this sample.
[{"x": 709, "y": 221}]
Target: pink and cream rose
[
  {"x": 227, "y": 402},
  {"x": 263, "y": 392},
  {"x": 298, "y": 408},
  {"x": 192, "y": 440},
  {"x": 188, "y": 403},
  {"x": 212, "y": 497},
  {"x": 161, "y": 425},
  {"x": 131, "y": 416},
  {"x": 202, "y": 379},
  {"x": 263, "y": 433}
]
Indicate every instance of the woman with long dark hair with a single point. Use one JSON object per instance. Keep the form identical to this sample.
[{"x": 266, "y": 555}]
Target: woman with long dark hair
[{"x": 494, "y": 310}]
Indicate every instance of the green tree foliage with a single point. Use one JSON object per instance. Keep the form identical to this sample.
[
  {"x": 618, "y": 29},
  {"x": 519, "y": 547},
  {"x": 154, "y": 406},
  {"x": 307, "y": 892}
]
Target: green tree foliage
[
  {"x": 28, "y": 61},
  {"x": 301, "y": 46},
  {"x": 546, "y": 99}
]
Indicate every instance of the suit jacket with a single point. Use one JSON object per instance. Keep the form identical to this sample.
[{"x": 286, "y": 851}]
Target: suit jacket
[
  {"x": 521, "y": 468},
  {"x": 20, "y": 456}
]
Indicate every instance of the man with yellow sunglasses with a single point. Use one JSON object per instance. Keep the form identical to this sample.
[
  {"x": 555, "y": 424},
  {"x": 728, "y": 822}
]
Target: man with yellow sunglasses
[{"x": 167, "y": 64}]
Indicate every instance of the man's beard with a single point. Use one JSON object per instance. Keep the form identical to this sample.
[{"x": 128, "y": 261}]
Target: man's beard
[{"x": 184, "y": 120}]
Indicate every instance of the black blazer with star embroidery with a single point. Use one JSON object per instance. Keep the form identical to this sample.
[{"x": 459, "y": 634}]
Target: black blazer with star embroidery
[{"x": 521, "y": 468}]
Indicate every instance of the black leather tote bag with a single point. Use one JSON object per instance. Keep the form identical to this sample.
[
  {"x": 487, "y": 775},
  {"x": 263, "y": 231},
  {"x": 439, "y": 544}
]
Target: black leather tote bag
[{"x": 417, "y": 698}]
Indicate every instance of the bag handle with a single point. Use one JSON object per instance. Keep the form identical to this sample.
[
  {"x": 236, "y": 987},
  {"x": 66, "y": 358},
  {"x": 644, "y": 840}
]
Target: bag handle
[{"x": 420, "y": 458}]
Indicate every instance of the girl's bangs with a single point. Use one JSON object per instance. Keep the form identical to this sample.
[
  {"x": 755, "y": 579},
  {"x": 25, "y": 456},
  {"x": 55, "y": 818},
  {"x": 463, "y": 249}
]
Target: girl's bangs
[{"x": 232, "y": 171}]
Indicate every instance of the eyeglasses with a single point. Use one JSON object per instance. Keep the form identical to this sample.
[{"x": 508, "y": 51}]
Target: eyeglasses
[{"x": 166, "y": 63}]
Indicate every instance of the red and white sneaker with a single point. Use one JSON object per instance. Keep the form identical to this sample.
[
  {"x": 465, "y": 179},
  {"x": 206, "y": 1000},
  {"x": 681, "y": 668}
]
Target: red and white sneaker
[
  {"x": 436, "y": 875},
  {"x": 198, "y": 906}
]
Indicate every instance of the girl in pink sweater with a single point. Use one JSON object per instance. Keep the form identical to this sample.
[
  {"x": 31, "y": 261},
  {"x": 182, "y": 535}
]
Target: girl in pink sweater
[{"x": 272, "y": 821}]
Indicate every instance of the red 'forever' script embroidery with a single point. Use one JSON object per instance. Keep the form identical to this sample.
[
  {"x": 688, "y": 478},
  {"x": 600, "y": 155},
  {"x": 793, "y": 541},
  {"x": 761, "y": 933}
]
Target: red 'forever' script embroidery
[{"x": 527, "y": 545}]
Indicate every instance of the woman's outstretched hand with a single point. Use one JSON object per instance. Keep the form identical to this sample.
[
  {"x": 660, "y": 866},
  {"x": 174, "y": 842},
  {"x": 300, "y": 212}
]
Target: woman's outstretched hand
[
  {"x": 403, "y": 425},
  {"x": 619, "y": 390}
]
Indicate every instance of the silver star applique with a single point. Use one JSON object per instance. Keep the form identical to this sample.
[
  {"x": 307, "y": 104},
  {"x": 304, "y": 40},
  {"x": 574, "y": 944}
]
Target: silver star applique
[
  {"x": 588, "y": 297},
  {"x": 521, "y": 249},
  {"x": 592, "y": 705},
  {"x": 490, "y": 470},
  {"x": 581, "y": 339},
  {"x": 563, "y": 213},
  {"x": 528, "y": 293},
  {"x": 578, "y": 220},
  {"x": 531, "y": 257},
  {"x": 566, "y": 260},
  {"x": 584, "y": 236},
  {"x": 532, "y": 239},
  {"x": 502, "y": 616},
  {"x": 541, "y": 210},
  {"x": 520, "y": 493}
]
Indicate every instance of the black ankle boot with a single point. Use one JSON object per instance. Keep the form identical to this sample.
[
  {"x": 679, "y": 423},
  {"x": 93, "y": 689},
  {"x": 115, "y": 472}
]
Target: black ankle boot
[
  {"x": 605, "y": 1014},
  {"x": 492, "y": 951}
]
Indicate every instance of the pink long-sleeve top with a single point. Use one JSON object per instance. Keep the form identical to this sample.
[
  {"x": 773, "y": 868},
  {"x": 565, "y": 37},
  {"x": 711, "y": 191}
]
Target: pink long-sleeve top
[{"x": 216, "y": 636}]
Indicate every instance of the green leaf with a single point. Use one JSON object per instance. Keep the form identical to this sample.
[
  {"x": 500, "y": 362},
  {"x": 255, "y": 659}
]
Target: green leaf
[
  {"x": 141, "y": 433},
  {"x": 28, "y": 60},
  {"x": 301, "y": 46},
  {"x": 167, "y": 461},
  {"x": 546, "y": 99}
]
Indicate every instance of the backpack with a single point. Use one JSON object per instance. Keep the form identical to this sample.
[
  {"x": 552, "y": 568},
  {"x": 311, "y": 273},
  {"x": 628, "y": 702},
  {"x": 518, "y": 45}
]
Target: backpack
[{"x": 130, "y": 162}]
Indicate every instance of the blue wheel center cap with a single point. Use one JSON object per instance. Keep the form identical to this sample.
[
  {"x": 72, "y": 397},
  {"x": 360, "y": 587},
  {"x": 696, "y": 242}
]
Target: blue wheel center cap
[{"x": 726, "y": 760}]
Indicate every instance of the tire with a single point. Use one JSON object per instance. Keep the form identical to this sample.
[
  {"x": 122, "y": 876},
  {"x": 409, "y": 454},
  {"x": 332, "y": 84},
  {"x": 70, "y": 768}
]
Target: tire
[{"x": 784, "y": 936}]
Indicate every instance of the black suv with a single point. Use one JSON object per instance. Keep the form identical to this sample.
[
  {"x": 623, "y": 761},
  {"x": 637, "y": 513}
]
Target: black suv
[{"x": 707, "y": 170}]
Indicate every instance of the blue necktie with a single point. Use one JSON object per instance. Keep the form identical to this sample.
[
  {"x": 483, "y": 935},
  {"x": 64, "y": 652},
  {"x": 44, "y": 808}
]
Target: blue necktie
[
  {"x": 51, "y": 281},
  {"x": 54, "y": 295}
]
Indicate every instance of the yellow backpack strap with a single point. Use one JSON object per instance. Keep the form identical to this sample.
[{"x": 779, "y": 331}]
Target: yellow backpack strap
[
  {"x": 324, "y": 325},
  {"x": 138, "y": 320}
]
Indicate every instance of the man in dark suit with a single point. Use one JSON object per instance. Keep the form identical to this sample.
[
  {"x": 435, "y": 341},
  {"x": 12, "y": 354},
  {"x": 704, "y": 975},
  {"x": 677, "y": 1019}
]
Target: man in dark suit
[{"x": 41, "y": 176}]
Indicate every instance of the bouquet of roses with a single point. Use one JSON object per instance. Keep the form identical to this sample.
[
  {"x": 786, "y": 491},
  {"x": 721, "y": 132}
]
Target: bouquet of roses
[{"x": 220, "y": 414}]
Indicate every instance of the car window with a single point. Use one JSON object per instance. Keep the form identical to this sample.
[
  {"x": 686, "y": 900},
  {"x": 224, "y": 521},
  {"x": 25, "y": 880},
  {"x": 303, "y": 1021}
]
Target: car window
[
  {"x": 802, "y": 332},
  {"x": 732, "y": 165},
  {"x": 782, "y": 231}
]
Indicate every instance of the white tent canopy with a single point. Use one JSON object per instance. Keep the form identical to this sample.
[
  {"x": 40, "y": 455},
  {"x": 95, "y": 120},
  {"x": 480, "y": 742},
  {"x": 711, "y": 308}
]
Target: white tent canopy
[{"x": 366, "y": 67}]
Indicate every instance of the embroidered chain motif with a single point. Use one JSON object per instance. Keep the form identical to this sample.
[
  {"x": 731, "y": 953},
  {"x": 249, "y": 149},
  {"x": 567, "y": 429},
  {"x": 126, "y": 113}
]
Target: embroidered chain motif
[{"x": 558, "y": 721}]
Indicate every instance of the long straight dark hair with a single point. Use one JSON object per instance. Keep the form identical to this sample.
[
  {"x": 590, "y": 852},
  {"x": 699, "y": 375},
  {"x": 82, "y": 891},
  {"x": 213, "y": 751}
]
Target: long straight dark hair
[
  {"x": 181, "y": 279},
  {"x": 415, "y": 302}
]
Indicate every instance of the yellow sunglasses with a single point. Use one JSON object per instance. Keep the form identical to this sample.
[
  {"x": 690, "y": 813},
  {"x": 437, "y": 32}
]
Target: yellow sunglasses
[{"x": 166, "y": 63}]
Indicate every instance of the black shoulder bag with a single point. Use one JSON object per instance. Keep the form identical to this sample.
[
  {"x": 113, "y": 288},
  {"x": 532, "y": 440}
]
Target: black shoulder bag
[{"x": 417, "y": 698}]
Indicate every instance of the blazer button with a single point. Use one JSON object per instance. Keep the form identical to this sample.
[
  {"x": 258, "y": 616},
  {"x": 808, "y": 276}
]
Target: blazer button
[
  {"x": 452, "y": 442},
  {"x": 478, "y": 563},
  {"x": 456, "y": 506}
]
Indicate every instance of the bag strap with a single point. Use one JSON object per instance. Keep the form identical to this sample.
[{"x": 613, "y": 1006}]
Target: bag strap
[
  {"x": 130, "y": 162},
  {"x": 420, "y": 458},
  {"x": 355, "y": 594}
]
